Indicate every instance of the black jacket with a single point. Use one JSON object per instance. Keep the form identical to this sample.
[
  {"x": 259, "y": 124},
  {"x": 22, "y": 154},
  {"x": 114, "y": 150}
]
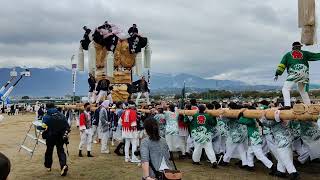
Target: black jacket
[
  {"x": 103, "y": 85},
  {"x": 137, "y": 85},
  {"x": 133, "y": 30},
  {"x": 86, "y": 40},
  {"x": 92, "y": 84}
]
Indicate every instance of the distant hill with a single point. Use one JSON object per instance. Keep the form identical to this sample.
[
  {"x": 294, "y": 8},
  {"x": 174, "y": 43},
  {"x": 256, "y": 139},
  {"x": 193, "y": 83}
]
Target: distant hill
[{"x": 58, "y": 82}]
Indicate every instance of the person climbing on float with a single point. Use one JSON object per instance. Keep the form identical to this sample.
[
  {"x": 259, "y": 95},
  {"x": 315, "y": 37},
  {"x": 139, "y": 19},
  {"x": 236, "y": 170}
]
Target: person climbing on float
[
  {"x": 92, "y": 86},
  {"x": 133, "y": 30},
  {"x": 143, "y": 89},
  {"x": 102, "y": 88},
  {"x": 297, "y": 65},
  {"x": 86, "y": 38}
]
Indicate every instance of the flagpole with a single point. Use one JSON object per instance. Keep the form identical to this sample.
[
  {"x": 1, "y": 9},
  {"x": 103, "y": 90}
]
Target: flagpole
[{"x": 74, "y": 73}]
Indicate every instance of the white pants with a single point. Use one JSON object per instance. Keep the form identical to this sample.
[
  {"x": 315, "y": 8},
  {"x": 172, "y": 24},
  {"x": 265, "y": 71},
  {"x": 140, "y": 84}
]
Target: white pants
[
  {"x": 223, "y": 142},
  {"x": 91, "y": 97},
  {"x": 208, "y": 149},
  {"x": 286, "y": 93},
  {"x": 95, "y": 132},
  {"x": 145, "y": 94},
  {"x": 216, "y": 144},
  {"x": 176, "y": 143},
  {"x": 256, "y": 150},
  {"x": 230, "y": 148},
  {"x": 133, "y": 142},
  {"x": 301, "y": 150},
  {"x": 86, "y": 139},
  {"x": 101, "y": 95},
  {"x": 285, "y": 160},
  {"x": 190, "y": 144},
  {"x": 104, "y": 141}
]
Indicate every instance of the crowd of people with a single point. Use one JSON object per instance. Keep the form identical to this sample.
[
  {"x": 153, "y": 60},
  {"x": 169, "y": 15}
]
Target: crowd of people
[{"x": 153, "y": 137}]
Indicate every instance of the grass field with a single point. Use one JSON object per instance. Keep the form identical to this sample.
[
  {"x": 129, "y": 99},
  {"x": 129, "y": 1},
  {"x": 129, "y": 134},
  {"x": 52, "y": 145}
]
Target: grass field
[{"x": 106, "y": 166}]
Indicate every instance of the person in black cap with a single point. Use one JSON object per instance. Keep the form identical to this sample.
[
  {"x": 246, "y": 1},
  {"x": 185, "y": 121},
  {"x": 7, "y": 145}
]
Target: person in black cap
[
  {"x": 133, "y": 30},
  {"x": 297, "y": 64}
]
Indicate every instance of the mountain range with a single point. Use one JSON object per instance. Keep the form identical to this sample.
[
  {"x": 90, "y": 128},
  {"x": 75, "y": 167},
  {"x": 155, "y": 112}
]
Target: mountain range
[{"x": 58, "y": 82}]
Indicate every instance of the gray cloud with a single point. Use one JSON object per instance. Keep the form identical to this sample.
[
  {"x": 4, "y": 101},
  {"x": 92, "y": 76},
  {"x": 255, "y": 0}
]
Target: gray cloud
[{"x": 241, "y": 40}]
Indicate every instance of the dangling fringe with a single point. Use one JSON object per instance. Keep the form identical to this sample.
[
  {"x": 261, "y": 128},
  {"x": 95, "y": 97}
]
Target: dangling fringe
[
  {"x": 147, "y": 56},
  {"x": 138, "y": 64},
  {"x": 110, "y": 64},
  {"x": 92, "y": 58},
  {"x": 80, "y": 59}
]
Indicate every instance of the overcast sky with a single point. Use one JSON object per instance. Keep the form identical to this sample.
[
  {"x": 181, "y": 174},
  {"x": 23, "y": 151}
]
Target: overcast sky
[{"x": 230, "y": 39}]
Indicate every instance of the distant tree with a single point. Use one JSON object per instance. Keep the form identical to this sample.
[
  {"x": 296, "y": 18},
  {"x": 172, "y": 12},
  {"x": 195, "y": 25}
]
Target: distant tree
[
  {"x": 25, "y": 97},
  {"x": 157, "y": 97},
  {"x": 47, "y": 97},
  {"x": 177, "y": 96}
]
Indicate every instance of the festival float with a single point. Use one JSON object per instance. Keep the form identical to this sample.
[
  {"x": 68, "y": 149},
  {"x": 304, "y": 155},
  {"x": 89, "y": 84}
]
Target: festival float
[{"x": 116, "y": 56}]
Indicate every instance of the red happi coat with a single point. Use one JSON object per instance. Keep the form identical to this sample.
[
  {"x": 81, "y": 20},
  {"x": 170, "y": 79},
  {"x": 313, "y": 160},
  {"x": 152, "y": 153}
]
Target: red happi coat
[
  {"x": 129, "y": 123},
  {"x": 85, "y": 121}
]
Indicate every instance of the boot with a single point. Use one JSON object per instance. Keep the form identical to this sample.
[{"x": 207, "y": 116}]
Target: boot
[
  {"x": 117, "y": 150},
  {"x": 80, "y": 153},
  {"x": 273, "y": 170},
  {"x": 89, "y": 154},
  {"x": 280, "y": 174},
  {"x": 214, "y": 165},
  {"x": 294, "y": 176},
  {"x": 222, "y": 163},
  {"x": 196, "y": 163}
]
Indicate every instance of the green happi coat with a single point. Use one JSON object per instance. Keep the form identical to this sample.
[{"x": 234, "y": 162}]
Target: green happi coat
[
  {"x": 281, "y": 134},
  {"x": 201, "y": 127},
  {"x": 297, "y": 65},
  {"x": 252, "y": 129},
  {"x": 237, "y": 133}
]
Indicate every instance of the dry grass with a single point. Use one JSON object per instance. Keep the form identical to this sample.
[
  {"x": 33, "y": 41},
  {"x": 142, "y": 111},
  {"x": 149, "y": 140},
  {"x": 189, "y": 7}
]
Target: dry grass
[{"x": 13, "y": 129}]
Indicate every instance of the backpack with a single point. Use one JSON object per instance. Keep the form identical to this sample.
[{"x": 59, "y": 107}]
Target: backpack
[{"x": 57, "y": 126}]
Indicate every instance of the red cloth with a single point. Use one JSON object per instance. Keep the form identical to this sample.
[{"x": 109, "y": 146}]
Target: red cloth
[
  {"x": 129, "y": 120},
  {"x": 83, "y": 122}
]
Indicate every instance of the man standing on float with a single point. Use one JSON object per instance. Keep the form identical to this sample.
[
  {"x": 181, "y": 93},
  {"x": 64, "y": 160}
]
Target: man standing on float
[{"x": 296, "y": 62}]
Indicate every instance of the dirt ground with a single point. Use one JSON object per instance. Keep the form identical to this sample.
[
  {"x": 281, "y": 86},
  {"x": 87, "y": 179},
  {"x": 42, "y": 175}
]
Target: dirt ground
[{"x": 107, "y": 166}]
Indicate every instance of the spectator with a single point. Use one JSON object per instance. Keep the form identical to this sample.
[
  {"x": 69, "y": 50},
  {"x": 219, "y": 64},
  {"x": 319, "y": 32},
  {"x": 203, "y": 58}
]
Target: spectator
[{"x": 154, "y": 152}]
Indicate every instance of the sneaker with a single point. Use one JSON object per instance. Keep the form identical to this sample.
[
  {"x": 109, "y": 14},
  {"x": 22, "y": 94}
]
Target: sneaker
[
  {"x": 105, "y": 152},
  {"x": 95, "y": 142},
  {"x": 48, "y": 169},
  {"x": 135, "y": 161},
  {"x": 112, "y": 143},
  {"x": 127, "y": 160},
  {"x": 64, "y": 170}
]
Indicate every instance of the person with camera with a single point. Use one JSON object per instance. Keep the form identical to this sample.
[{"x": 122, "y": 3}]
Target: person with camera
[{"x": 56, "y": 134}]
